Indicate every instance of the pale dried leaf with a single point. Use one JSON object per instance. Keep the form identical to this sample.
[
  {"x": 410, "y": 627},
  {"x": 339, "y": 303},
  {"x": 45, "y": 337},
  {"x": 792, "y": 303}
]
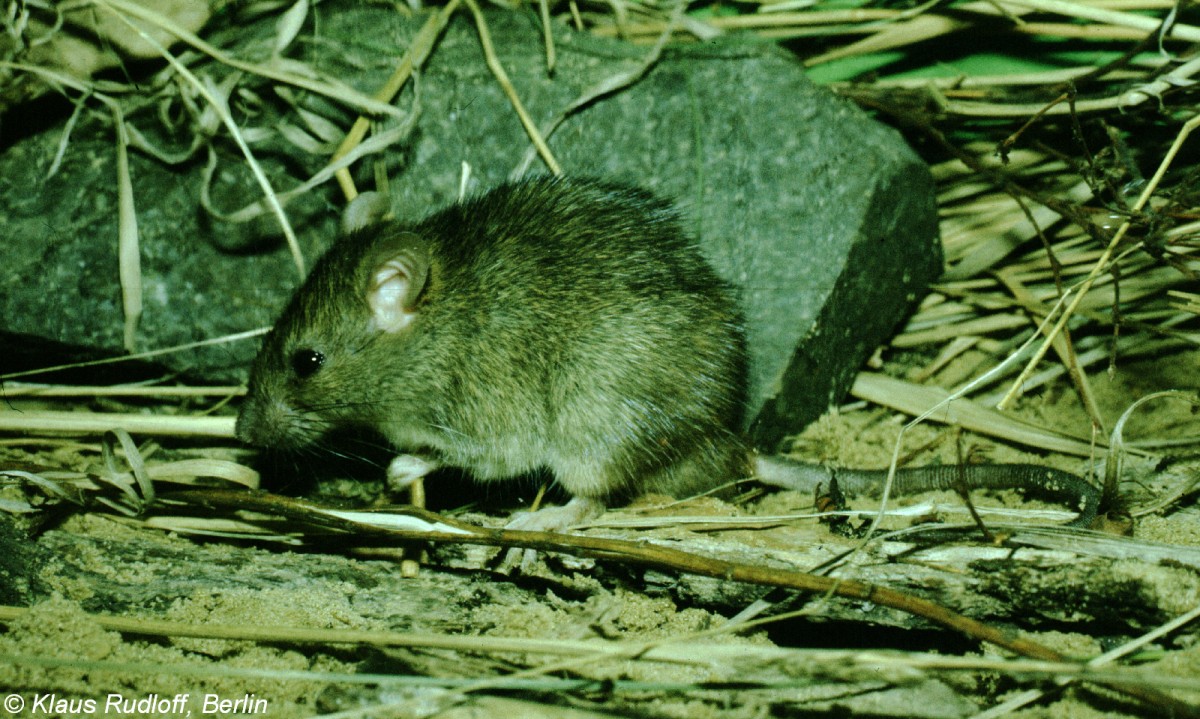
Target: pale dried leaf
[{"x": 288, "y": 26}]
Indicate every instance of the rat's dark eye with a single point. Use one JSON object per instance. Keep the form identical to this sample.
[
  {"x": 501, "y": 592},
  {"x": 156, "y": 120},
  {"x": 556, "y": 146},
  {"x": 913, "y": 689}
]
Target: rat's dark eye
[{"x": 306, "y": 362}]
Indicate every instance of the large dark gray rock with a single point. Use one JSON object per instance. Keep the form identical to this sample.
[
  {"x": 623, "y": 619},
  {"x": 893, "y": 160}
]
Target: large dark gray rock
[{"x": 822, "y": 218}]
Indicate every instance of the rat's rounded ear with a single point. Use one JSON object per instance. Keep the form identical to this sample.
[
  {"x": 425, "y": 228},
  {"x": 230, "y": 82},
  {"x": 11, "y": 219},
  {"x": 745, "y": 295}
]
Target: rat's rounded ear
[{"x": 396, "y": 277}]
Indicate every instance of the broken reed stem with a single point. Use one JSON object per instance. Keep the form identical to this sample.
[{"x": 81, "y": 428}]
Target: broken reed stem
[
  {"x": 663, "y": 559},
  {"x": 18, "y": 389},
  {"x": 99, "y": 422}
]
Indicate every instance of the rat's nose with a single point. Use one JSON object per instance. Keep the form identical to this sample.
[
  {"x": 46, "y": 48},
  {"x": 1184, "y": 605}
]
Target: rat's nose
[{"x": 270, "y": 422}]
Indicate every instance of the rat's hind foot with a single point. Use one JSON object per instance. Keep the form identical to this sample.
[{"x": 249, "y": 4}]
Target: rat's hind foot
[{"x": 547, "y": 519}]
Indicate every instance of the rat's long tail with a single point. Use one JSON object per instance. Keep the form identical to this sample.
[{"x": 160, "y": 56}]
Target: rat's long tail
[{"x": 1035, "y": 480}]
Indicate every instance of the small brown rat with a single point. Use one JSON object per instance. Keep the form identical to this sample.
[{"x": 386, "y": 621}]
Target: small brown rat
[
  {"x": 560, "y": 324},
  {"x": 564, "y": 324}
]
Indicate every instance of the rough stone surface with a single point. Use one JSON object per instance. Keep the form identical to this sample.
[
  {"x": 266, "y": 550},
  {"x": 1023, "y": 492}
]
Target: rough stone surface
[{"x": 823, "y": 219}]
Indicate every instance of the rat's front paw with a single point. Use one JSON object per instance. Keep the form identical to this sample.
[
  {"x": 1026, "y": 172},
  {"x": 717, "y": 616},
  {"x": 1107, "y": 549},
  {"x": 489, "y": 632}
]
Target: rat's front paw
[
  {"x": 406, "y": 469},
  {"x": 547, "y": 519}
]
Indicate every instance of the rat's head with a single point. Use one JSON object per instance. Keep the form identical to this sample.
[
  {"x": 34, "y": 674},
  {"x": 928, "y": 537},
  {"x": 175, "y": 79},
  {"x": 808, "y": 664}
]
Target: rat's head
[{"x": 329, "y": 360}]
